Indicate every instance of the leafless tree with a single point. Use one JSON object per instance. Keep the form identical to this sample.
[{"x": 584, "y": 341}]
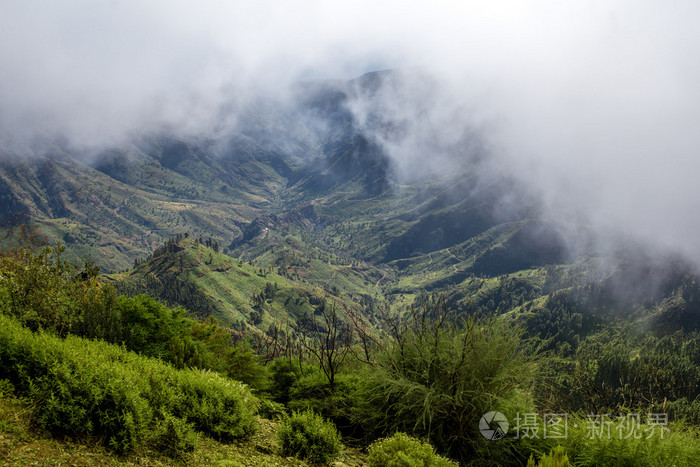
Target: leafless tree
[{"x": 329, "y": 342}]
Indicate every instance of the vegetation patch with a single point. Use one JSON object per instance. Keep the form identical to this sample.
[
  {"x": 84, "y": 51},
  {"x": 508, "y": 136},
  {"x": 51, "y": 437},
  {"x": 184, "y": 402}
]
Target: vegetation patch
[
  {"x": 80, "y": 387},
  {"x": 309, "y": 436},
  {"x": 402, "y": 450}
]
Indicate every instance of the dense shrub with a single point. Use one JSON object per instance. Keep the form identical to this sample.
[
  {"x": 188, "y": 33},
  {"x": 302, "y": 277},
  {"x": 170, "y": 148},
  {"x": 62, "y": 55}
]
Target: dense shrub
[
  {"x": 402, "y": 450},
  {"x": 271, "y": 410},
  {"x": 147, "y": 327},
  {"x": 174, "y": 435},
  {"x": 219, "y": 352},
  {"x": 680, "y": 410},
  {"x": 284, "y": 373},
  {"x": 435, "y": 379},
  {"x": 153, "y": 329},
  {"x": 309, "y": 436},
  {"x": 94, "y": 388},
  {"x": 337, "y": 402}
]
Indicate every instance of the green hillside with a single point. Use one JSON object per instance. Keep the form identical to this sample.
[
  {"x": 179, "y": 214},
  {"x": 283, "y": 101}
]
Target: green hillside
[
  {"x": 120, "y": 205},
  {"x": 188, "y": 273}
]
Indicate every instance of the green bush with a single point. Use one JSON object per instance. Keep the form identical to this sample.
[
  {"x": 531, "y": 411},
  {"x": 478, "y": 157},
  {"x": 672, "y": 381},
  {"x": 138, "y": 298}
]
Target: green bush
[
  {"x": 337, "y": 402},
  {"x": 284, "y": 372},
  {"x": 435, "y": 379},
  {"x": 402, "y": 450},
  {"x": 6, "y": 387},
  {"x": 681, "y": 410},
  {"x": 82, "y": 387},
  {"x": 218, "y": 352},
  {"x": 271, "y": 410},
  {"x": 174, "y": 435},
  {"x": 304, "y": 387},
  {"x": 147, "y": 326},
  {"x": 309, "y": 436},
  {"x": 155, "y": 330}
]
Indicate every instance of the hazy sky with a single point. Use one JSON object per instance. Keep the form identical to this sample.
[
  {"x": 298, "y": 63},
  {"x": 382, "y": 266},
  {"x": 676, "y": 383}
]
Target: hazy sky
[{"x": 595, "y": 103}]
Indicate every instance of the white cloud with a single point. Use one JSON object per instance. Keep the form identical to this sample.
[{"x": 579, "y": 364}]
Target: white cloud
[{"x": 593, "y": 102}]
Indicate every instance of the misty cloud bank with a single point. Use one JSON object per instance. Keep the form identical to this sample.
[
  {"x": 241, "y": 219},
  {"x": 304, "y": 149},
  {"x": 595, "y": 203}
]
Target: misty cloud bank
[{"x": 594, "y": 104}]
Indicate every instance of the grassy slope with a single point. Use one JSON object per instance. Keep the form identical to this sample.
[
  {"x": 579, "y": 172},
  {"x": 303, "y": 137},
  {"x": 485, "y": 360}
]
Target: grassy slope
[
  {"x": 294, "y": 251},
  {"x": 229, "y": 284}
]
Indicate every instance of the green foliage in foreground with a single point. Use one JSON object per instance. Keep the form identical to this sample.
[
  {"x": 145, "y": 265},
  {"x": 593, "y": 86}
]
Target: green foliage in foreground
[
  {"x": 402, "y": 450},
  {"x": 556, "y": 458},
  {"x": 435, "y": 379},
  {"x": 308, "y": 436},
  {"x": 81, "y": 387},
  {"x": 337, "y": 402},
  {"x": 44, "y": 292},
  {"x": 153, "y": 329},
  {"x": 646, "y": 445}
]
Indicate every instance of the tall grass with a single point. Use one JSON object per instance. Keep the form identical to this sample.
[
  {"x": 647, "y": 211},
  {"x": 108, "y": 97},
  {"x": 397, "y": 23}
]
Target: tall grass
[
  {"x": 638, "y": 445},
  {"x": 680, "y": 445}
]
